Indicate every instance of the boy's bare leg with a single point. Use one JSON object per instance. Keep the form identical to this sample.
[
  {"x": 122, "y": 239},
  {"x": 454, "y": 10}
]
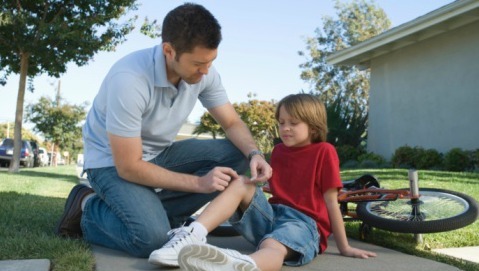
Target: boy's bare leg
[
  {"x": 271, "y": 255},
  {"x": 239, "y": 193}
]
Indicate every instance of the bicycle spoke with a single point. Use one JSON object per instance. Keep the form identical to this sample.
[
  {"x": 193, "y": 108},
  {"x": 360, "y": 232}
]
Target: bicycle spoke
[{"x": 427, "y": 208}]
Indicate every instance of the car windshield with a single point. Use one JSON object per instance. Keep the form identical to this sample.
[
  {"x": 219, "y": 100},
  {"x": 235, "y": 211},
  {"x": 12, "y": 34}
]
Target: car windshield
[{"x": 8, "y": 142}]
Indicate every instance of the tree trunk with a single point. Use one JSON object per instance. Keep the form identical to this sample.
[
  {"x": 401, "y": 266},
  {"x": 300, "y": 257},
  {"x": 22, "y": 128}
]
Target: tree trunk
[{"x": 17, "y": 134}]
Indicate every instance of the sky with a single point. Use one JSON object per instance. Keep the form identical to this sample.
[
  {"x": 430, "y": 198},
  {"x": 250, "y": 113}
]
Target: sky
[{"x": 258, "y": 53}]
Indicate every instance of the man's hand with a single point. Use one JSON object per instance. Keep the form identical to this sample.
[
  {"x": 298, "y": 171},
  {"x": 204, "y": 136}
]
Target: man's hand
[
  {"x": 261, "y": 171},
  {"x": 216, "y": 180}
]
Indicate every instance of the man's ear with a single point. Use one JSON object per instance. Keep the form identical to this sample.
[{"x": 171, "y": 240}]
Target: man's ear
[{"x": 168, "y": 50}]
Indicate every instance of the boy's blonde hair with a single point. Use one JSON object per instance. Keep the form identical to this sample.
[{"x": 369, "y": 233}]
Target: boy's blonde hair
[{"x": 309, "y": 109}]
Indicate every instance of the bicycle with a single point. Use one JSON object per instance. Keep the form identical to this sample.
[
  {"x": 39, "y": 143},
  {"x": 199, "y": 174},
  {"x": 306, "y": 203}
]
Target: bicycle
[{"x": 409, "y": 210}]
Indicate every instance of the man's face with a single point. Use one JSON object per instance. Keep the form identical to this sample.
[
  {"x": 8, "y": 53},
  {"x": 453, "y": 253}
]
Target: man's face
[{"x": 191, "y": 66}]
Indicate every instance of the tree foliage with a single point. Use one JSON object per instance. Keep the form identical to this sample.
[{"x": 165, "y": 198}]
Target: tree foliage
[
  {"x": 39, "y": 37},
  {"x": 152, "y": 30},
  {"x": 343, "y": 89},
  {"x": 258, "y": 116},
  {"x": 345, "y": 127},
  {"x": 208, "y": 125},
  {"x": 54, "y": 33},
  {"x": 60, "y": 124},
  {"x": 6, "y": 131}
]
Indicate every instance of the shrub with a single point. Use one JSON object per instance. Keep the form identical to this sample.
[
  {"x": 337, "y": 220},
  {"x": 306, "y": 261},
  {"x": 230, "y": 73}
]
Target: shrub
[
  {"x": 350, "y": 164},
  {"x": 417, "y": 157},
  {"x": 347, "y": 153},
  {"x": 376, "y": 158},
  {"x": 369, "y": 164},
  {"x": 474, "y": 155},
  {"x": 404, "y": 157},
  {"x": 457, "y": 160},
  {"x": 429, "y": 159}
]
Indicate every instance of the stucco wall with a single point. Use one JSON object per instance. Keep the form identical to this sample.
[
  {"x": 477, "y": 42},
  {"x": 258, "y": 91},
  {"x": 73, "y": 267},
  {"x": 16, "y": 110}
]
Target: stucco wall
[{"x": 427, "y": 94}]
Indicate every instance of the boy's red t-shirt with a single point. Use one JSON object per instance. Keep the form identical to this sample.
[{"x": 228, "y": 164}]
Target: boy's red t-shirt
[{"x": 300, "y": 177}]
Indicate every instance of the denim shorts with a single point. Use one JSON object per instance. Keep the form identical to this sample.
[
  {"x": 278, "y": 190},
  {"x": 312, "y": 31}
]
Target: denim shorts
[{"x": 284, "y": 224}]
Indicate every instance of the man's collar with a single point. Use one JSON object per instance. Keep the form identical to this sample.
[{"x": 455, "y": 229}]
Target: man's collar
[{"x": 161, "y": 80}]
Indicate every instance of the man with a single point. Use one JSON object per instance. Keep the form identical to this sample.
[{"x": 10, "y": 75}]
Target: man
[{"x": 129, "y": 149}]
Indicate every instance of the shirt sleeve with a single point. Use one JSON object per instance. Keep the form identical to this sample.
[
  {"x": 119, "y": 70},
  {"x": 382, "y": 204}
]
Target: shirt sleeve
[
  {"x": 213, "y": 93},
  {"x": 128, "y": 99}
]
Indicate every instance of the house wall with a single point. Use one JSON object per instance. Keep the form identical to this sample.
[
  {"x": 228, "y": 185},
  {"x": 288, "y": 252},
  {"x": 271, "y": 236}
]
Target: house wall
[{"x": 427, "y": 94}]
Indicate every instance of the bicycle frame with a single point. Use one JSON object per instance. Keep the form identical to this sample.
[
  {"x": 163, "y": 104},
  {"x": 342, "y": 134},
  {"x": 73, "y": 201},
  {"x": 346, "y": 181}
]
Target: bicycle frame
[
  {"x": 363, "y": 189},
  {"x": 367, "y": 195}
]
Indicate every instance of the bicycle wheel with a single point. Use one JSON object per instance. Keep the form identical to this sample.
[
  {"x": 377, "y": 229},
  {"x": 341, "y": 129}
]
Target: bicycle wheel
[{"x": 436, "y": 210}]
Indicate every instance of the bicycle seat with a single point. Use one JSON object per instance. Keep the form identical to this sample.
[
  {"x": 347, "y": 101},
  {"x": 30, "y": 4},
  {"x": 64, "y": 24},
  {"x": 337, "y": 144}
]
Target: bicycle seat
[{"x": 365, "y": 181}]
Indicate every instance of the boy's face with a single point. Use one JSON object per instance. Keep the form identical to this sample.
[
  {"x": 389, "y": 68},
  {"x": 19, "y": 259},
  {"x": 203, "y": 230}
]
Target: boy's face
[
  {"x": 293, "y": 132},
  {"x": 189, "y": 66}
]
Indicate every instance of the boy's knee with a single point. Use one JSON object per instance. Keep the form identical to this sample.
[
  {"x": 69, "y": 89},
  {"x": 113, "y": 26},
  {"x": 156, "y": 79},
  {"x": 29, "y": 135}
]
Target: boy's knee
[
  {"x": 245, "y": 189},
  {"x": 274, "y": 245},
  {"x": 243, "y": 185}
]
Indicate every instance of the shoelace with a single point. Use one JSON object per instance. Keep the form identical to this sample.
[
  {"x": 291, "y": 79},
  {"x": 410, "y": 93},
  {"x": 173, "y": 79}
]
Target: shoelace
[{"x": 176, "y": 236}]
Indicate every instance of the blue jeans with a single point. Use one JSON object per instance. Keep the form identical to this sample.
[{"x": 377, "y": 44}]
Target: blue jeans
[
  {"x": 134, "y": 218},
  {"x": 284, "y": 224}
]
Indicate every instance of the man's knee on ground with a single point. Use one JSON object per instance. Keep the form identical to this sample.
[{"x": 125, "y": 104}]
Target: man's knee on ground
[{"x": 143, "y": 243}]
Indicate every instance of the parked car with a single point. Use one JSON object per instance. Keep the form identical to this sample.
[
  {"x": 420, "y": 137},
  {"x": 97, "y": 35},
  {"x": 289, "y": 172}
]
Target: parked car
[
  {"x": 42, "y": 157},
  {"x": 26, "y": 153}
]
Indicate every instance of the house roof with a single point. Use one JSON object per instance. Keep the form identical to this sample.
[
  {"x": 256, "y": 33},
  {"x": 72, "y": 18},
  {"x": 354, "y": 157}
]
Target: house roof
[{"x": 446, "y": 18}]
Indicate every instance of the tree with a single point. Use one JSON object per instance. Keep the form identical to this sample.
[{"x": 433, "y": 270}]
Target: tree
[
  {"x": 345, "y": 127},
  {"x": 258, "y": 116},
  {"x": 39, "y": 37},
  {"x": 208, "y": 125},
  {"x": 6, "y": 131},
  {"x": 60, "y": 124},
  {"x": 344, "y": 86}
]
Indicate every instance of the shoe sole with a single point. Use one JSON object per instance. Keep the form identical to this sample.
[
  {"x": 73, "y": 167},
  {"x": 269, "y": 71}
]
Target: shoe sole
[
  {"x": 163, "y": 262},
  {"x": 66, "y": 211},
  {"x": 207, "y": 258}
]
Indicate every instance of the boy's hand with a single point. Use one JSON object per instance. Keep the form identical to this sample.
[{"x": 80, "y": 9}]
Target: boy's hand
[{"x": 357, "y": 253}]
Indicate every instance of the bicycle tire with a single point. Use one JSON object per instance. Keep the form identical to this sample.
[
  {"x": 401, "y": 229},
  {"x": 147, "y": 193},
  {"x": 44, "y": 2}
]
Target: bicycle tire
[{"x": 438, "y": 210}]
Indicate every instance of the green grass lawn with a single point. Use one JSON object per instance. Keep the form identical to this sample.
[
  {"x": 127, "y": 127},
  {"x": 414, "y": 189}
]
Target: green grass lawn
[
  {"x": 33, "y": 200},
  {"x": 31, "y": 204}
]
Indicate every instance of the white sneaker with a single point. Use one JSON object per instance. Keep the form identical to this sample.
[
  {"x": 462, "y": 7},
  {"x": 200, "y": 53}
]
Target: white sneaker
[
  {"x": 204, "y": 257},
  {"x": 167, "y": 255}
]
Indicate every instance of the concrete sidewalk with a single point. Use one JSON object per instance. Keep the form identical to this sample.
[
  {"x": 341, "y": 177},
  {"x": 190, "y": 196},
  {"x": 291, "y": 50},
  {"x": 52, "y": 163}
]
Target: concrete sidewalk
[{"x": 390, "y": 260}]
